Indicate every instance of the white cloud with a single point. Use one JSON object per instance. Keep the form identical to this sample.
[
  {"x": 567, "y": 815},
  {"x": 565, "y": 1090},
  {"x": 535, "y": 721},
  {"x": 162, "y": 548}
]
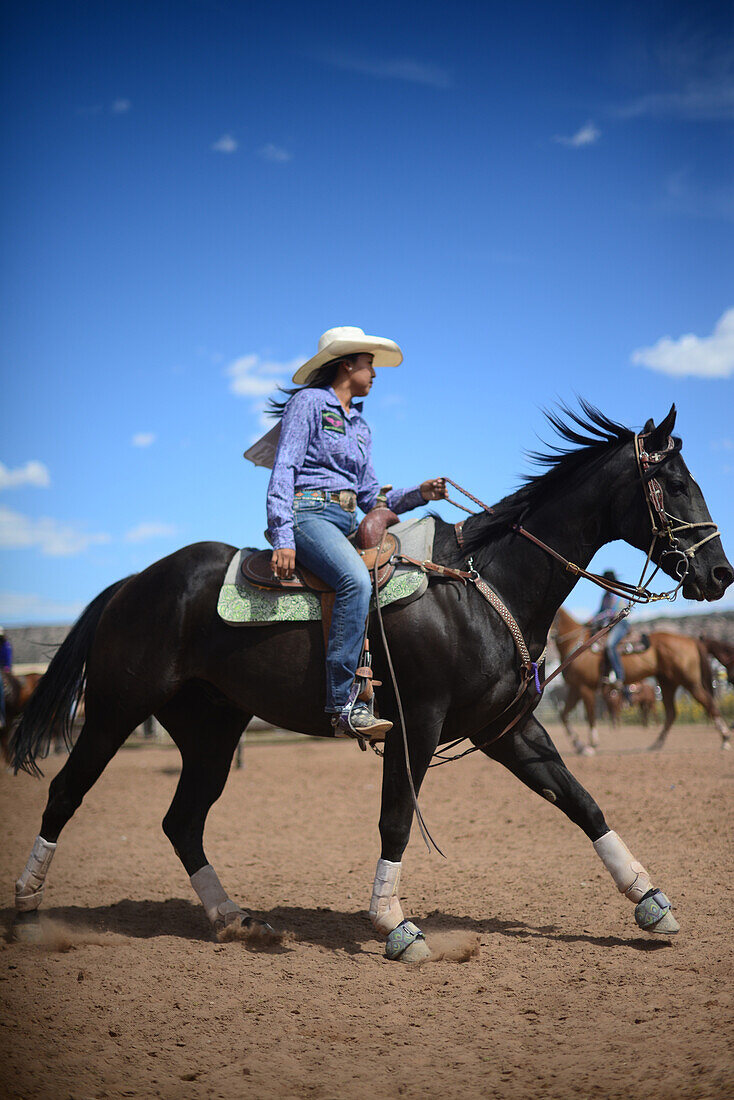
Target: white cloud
[
  {"x": 121, "y": 106},
  {"x": 275, "y": 153},
  {"x": 33, "y": 473},
  {"x": 225, "y": 144},
  {"x": 698, "y": 356},
  {"x": 589, "y": 134},
  {"x": 25, "y": 607},
  {"x": 685, "y": 195},
  {"x": 397, "y": 68},
  {"x": 710, "y": 101},
  {"x": 48, "y": 535},
  {"x": 251, "y": 376},
  {"x": 153, "y": 529},
  {"x": 143, "y": 439}
]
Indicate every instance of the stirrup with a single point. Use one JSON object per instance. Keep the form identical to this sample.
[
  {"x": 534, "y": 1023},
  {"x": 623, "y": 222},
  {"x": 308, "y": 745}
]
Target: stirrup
[{"x": 344, "y": 725}]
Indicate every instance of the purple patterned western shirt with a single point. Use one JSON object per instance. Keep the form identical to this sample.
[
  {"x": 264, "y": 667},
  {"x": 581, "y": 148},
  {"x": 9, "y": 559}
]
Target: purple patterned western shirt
[{"x": 323, "y": 447}]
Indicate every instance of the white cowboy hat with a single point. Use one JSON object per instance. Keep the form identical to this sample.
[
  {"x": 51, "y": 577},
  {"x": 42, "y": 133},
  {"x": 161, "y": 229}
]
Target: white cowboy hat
[{"x": 347, "y": 340}]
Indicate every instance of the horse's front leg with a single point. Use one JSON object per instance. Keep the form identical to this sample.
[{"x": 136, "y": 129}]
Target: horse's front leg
[
  {"x": 405, "y": 941},
  {"x": 531, "y": 755}
]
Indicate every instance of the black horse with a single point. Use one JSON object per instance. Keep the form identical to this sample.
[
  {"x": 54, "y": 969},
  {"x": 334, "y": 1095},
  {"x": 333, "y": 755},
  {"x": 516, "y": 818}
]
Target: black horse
[{"x": 153, "y": 644}]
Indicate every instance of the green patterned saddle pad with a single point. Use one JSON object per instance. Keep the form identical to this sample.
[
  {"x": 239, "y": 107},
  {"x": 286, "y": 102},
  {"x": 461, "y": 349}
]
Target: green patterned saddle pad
[{"x": 243, "y": 604}]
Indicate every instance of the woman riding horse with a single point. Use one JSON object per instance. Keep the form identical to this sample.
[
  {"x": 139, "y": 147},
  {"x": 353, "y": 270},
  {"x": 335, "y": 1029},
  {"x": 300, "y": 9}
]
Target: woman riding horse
[
  {"x": 322, "y": 471},
  {"x": 610, "y": 605}
]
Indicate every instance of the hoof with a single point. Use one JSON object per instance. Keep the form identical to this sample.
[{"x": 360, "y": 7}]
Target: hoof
[
  {"x": 726, "y": 745},
  {"x": 668, "y": 926},
  {"x": 654, "y": 914},
  {"x": 406, "y": 943},
  {"x": 587, "y": 750},
  {"x": 656, "y": 746},
  {"x": 418, "y": 952},
  {"x": 27, "y": 927},
  {"x": 241, "y": 926},
  {"x": 258, "y": 927}
]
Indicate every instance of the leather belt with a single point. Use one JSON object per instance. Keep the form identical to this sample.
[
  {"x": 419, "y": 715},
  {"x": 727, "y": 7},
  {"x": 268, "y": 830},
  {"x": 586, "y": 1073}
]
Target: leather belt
[{"x": 345, "y": 498}]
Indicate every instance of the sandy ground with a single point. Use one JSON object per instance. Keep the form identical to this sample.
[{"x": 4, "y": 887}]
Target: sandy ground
[{"x": 565, "y": 998}]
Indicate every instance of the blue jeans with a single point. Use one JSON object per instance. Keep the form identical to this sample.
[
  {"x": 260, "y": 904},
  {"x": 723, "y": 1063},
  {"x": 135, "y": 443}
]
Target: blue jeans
[
  {"x": 614, "y": 637},
  {"x": 321, "y": 531}
]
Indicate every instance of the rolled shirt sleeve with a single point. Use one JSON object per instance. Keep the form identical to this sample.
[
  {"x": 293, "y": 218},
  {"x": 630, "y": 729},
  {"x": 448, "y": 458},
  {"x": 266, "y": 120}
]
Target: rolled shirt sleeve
[{"x": 297, "y": 427}]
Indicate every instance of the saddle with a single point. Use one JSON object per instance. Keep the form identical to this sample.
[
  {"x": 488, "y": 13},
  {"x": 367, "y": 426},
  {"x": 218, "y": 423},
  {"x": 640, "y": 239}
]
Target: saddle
[
  {"x": 636, "y": 643},
  {"x": 257, "y": 569},
  {"x": 372, "y": 541}
]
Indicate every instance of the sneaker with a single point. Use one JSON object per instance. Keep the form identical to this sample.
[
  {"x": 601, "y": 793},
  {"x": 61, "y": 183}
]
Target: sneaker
[{"x": 363, "y": 722}]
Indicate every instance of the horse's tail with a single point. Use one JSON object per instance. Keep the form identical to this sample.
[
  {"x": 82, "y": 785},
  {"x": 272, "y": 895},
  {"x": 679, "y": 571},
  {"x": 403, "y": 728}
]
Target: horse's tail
[{"x": 51, "y": 708}]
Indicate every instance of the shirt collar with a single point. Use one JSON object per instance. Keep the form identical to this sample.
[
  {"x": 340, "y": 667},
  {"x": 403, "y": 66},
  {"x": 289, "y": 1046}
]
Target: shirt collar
[{"x": 332, "y": 399}]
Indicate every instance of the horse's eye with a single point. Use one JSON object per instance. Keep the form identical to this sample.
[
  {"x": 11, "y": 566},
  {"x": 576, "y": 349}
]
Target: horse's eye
[{"x": 677, "y": 487}]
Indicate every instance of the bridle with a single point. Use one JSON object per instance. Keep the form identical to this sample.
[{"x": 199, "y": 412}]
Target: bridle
[{"x": 664, "y": 526}]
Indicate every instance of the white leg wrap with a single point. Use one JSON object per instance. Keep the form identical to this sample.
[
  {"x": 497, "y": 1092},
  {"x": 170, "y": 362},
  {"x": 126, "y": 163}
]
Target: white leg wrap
[
  {"x": 630, "y": 876},
  {"x": 213, "y": 896},
  {"x": 29, "y": 887},
  {"x": 385, "y": 911}
]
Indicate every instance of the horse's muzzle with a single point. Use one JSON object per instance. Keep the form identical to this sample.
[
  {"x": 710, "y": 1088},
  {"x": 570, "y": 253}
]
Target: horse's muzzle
[{"x": 711, "y": 587}]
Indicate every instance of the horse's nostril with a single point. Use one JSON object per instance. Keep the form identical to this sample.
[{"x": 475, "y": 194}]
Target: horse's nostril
[{"x": 723, "y": 575}]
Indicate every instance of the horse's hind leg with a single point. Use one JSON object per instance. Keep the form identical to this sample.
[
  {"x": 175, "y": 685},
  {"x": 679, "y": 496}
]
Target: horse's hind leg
[
  {"x": 96, "y": 745},
  {"x": 704, "y": 697},
  {"x": 532, "y": 757},
  {"x": 207, "y": 733}
]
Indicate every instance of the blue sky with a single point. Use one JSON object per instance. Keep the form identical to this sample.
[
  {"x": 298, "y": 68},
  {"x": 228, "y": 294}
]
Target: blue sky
[{"x": 535, "y": 200}]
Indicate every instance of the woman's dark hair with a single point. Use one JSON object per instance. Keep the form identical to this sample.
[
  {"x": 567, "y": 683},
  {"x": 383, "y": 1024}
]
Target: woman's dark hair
[{"x": 321, "y": 379}]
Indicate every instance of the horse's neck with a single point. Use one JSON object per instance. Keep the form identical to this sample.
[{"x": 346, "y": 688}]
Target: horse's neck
[
  {"x": 531, "y": 581},
  {"x": 569, "y": 633}
]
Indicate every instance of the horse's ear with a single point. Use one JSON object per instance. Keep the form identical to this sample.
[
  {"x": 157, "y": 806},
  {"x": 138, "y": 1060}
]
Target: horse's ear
[
  {"x": 658, "y": 437},
  {"x": 649, "y": 426}
]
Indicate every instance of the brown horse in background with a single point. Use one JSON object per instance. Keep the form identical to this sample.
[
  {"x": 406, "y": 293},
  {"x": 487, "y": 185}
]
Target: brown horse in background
[
  {"x": 723, "y": 652},
  {"x": 674, "y": 660},
  {"x": 18, "y": 690}
]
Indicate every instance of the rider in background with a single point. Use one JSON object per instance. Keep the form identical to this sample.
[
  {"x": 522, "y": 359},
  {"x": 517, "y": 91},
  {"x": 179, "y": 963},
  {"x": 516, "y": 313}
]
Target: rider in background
[
  {"x": 610, "y": 605},
  {"x": 322, "y": 471},
  {"x": 6, "y": 665}
]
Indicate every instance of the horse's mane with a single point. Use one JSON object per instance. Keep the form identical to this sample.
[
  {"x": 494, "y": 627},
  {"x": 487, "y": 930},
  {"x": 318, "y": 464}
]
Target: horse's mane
[{"x": 592, "y": 438}]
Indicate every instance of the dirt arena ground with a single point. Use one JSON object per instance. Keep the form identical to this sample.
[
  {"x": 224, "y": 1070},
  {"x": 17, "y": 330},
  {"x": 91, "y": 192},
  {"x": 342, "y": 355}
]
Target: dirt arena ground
[{"x": 130, "y": 997}]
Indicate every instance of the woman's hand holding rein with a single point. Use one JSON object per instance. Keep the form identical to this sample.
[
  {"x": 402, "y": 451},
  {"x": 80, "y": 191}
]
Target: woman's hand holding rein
[{"x": 434, "y": 489}]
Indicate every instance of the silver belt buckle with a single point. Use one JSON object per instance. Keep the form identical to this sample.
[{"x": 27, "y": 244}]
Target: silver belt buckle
[{"x": 347, "y": 500}]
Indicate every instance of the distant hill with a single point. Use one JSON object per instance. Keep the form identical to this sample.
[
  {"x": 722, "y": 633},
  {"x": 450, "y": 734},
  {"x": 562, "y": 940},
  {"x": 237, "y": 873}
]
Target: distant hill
[{"x": 715, "y": 624}]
